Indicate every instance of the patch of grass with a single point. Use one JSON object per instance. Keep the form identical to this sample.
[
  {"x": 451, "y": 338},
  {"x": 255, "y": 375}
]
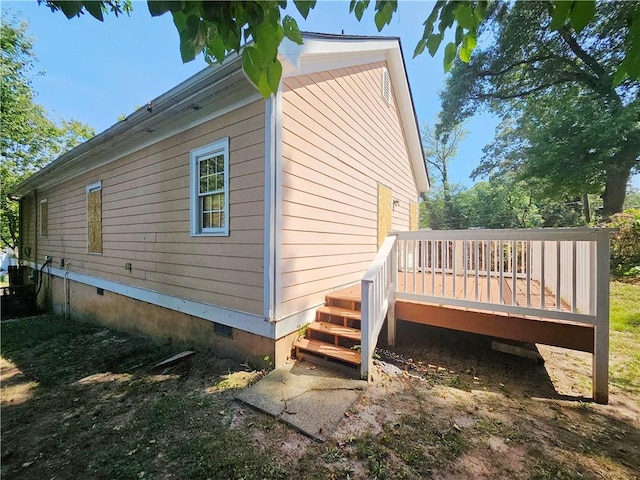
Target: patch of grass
[
  {"x": 122, "y": 420},
  {"x": 625, "y": 307},
  {"x": 625, "y": 335}
]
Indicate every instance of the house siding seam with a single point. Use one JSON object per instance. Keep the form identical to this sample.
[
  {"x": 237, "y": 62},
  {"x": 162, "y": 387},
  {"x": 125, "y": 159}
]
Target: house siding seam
[
  {"x": 146, "y": 219},
  {"x": 340, "y": 139}
]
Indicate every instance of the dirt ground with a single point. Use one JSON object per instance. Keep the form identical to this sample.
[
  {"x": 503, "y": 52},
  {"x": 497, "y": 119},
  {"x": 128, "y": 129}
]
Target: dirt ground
[
  {"x": 458, "y": 409},
  {"x": 443, "y": 405}
]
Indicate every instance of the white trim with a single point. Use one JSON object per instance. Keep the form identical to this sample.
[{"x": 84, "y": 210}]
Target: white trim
[
  {"x": 212, "y": 149},
  {"x": 247, "y": 322},
  {"x": 92, "y": 187},
  {"x": 278, "y": 206},
  {"x": 269, "y": 208},
  {"x": 295, "y": 321}
]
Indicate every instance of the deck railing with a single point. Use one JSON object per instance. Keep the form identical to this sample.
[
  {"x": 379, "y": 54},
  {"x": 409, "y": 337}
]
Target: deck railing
[
  {"x": 554, "y": 274},
  {"x": 377, "y": 297},
  {"x": 550, "y": 272}
]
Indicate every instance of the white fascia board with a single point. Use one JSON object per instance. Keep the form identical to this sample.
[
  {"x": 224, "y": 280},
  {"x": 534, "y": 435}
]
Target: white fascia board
[
  {"x": 408, "y": 117},
  {"x": 247, "y": 322},
  {"x": 322, "y": 54}
]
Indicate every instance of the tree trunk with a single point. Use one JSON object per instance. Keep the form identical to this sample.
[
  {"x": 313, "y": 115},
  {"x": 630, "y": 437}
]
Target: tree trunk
[
  {"x": 615, "y": 189},
  {"x": 586, "y": 209}
]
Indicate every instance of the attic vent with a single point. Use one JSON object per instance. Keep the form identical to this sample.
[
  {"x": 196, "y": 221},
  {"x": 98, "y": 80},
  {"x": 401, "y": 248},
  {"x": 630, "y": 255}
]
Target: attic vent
[{"x": 386, "y": 86}]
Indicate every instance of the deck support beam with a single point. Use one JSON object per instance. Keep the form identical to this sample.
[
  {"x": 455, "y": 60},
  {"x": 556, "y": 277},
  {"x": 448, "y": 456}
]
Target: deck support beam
[{"x": 564, "y": 334}]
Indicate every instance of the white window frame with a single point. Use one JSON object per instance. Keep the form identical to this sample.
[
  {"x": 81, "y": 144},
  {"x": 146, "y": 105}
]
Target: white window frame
[{"x": 212, "y": 149}]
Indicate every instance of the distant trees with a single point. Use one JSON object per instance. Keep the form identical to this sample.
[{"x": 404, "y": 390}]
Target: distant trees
[
  {"x": 29, "y": 139},
  {"x": 571, "y": 119}
]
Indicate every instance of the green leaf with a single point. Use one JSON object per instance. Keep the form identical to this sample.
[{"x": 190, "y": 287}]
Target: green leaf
[
  {"x": 480, "y": 12},
  {"x": 304, "y": 6},
  {"x": 464, "y": 16},
  {"x": 384, "y": 13},
  {"x": 433, "y": 43},
  {"x": 419, "y": 48},
  {"x": 620, "y": 76},
  {"x": 560, "y": 13},
  {"x": 274, "y": 73},
  {"x": 449, "y": 56},
  {"x": 470, "y": 41},
  {"x": 291, "y": 30},
  {"x": 582, "y": 13},
  {"x": 465, "y": 54},
  {"x": 216, "y": 47},
  {"x": 251, "y": 64},
  {"x": 70, "y": 8},
  {"x": 95, "y": 9},
  {"x": 459, "y": 34},
  {"x": 157, "y": 8},
  {"x": 446, "y": 16},
  {"x": 360, "y": 7}
]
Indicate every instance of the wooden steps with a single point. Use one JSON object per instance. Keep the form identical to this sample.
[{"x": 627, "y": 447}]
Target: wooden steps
[
  {"x": 334, "y": 338},
  {"x": 339, "y": 331},
  {"x": 325, "y": 349}
]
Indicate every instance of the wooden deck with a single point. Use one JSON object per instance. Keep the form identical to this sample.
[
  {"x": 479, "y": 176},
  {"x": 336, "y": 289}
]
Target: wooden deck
[
  {"x": 486, "y": 320},
  {"x": 434, "y": 285}
]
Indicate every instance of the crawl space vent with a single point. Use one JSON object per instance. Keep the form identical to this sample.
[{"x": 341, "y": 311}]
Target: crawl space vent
[{"x": 386, "y": 86}]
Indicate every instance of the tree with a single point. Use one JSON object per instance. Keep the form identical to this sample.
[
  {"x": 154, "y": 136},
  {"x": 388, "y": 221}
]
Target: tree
[
  {"x": 572, "y": 118},
  {"x": 440, "y": 148},
  {"x": 218, "y": 28},
  {"x": 28, "y": 138}
]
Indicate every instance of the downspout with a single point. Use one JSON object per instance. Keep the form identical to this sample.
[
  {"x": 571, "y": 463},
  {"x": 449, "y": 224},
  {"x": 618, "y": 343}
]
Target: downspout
[{"x": 269, "y": 211}]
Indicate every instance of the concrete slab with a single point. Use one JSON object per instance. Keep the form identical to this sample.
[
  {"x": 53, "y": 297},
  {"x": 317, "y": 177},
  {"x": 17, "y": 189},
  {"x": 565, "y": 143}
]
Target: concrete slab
[{"x": 309, "y": 398}]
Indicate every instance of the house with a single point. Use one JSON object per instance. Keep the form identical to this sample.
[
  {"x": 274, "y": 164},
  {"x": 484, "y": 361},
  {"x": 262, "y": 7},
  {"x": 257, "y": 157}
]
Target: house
[{"x": 216, "y": 217}]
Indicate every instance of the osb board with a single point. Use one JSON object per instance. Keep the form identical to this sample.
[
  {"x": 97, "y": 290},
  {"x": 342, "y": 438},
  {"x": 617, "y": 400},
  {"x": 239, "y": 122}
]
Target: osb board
[
  {"x": 94, "y": 221},
  {"x": 413, "y": 216},
  {"x": 384, "y": 212},
  {"x": 44, "y": 219}
]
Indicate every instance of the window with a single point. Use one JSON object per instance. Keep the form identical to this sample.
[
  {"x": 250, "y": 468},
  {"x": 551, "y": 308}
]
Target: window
[
  {"x": 210, "y": 189},
  {"x": 94, "y": 217},
  {"x": 44, "y": 218},
  {"x": 386, "y": 86}
]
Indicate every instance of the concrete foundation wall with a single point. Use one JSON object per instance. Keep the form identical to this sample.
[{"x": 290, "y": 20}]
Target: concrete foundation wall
[{"x": 160, "y": 324}]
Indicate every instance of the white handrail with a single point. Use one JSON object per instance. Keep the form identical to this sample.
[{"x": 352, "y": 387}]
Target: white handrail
[{"x": 377, "y": 294}]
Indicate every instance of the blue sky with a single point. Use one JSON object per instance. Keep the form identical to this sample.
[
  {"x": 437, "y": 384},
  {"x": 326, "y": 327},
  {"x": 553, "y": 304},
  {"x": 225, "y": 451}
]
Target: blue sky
[{"x": 96, "y": 71}]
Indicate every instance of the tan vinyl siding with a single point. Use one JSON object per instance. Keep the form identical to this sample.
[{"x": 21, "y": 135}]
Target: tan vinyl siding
[
  {"x": 146, "y": 218},
  {"x": 340, "y": 139}
]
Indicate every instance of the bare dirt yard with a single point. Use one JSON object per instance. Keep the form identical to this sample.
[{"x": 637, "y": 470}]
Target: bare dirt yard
[{"x": 81, "y": 401}]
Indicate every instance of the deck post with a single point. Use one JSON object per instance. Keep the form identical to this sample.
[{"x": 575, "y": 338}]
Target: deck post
[
  {"x": 365, "y": 324},
  {"x": 601, "y": 332},
  {"x": 391, "y": 312}
]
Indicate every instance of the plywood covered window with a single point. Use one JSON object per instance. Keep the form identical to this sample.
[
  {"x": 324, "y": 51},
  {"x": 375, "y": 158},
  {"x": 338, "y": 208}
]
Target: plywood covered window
[
  {"x": 44, "y": 218},
  {"x": 210, "y": 189},
  {"x": 94, "y": 218}
]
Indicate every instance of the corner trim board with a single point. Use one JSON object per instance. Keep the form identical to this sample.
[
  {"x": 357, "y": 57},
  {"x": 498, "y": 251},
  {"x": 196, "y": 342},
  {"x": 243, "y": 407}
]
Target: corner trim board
[{"x": 247, "y": 322}]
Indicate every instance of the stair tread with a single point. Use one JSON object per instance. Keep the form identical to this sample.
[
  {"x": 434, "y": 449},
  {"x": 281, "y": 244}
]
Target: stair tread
[
  {"x": 351, "y": 297},
  {"x": 337, "y": 330},
  {"x": 328, "y": 350},
  {"x": 340, "y": 312}
]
